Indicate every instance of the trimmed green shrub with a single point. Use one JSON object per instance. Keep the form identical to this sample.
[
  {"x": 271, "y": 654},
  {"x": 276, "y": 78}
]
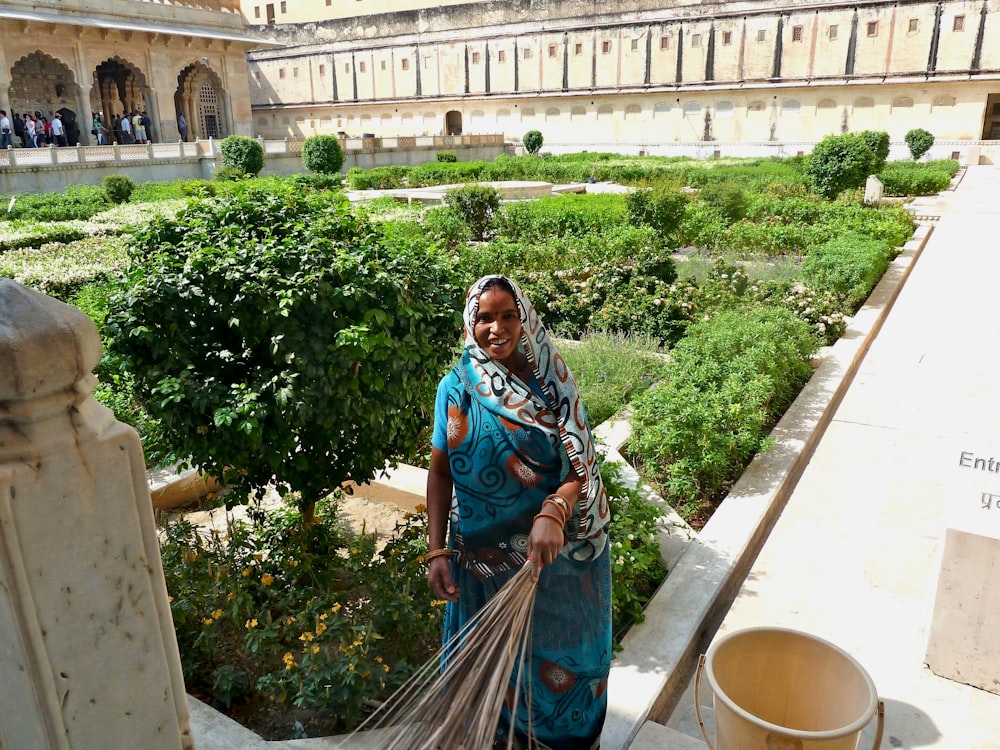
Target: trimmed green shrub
[
  {"x": 76, "y": 202},
  {"x": 839, "y": 162},
  {"x": 444, "y": 225},
  {"x": 446, "y": 156},
  {"x": 660, "y": 208},
  {"x": 476, "y": 205},
  {"x": 560, "y": 215},
  {"x": 280, "y": 342},
  {"x": 118, "y": 187},
  {"x": 533, "y": 141},
  {"x": 878, "y": 142},
  {"x": 322, "y": 154},
  {"x": 242, "y": 153},
  {"x": 919, "y": 141},
  {"x": 726, "y": 198},
  {"x": 727, "y": 383},
  {"x": 849, "y": 267},
  {"x": 922, "y": 180},
  {"x": 35, "y": 236},
  {"x": 380, "y": 178}
]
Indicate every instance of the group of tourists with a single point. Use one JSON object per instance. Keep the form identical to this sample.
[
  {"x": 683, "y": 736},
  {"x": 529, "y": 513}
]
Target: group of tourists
[
  {"x": 134, "y": 127},
  {"x": 31, "y": 130}
]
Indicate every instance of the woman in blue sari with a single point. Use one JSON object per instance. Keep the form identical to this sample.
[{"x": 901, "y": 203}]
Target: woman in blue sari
[{"x": 514, "y": 476}]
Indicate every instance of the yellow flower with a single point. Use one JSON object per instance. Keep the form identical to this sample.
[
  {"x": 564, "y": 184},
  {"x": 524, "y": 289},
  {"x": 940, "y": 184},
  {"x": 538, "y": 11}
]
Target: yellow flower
[
  {"x": 217, "y": 614},
  {"x": 320, "y": 629},
  {"x": 323, "y": 616},
  {"x": 293, "y": 563},
  {"x": 315, "y": 648},
  {"x": 230, "y": 596},
  {"x": 208, "y": 621},
  {"x": 170, "y": 599},
  {"x": 267, "y": 579},
  {"x": 307, "y": 636},
  {"x": 290, "y": 620},
  {"x": 385, "y": 667},
  {"x": 335, "y": 608},
  {"x": 421, "y": 508},
  {"x": 251, "y": 623},
  {"x": 246, "y": 572},
  {"x": 289, "y": 660},
  {"x": 350, "y": 667}
]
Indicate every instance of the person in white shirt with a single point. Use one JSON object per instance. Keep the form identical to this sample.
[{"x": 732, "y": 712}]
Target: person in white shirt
[
  {"x": 58, "y": 130},
  {"x": 29, "y": 128},
  {"x": 126, "y": 130},
  {"x": 6, "y": 140}
]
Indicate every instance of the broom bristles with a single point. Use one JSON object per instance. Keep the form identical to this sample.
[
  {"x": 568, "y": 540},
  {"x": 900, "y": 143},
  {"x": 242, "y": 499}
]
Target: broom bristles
[{"x": 459, "y": 705}]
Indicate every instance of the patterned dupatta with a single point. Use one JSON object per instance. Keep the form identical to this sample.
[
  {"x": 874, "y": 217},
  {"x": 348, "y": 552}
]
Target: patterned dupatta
[{"x": 563, "y": 417}]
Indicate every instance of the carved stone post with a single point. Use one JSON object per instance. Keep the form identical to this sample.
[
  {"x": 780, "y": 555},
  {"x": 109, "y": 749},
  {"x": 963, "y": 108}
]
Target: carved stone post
[{"x": 88, "y": 655}]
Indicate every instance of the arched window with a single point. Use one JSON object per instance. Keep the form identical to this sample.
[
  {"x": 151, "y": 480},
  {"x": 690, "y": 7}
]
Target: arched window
[
  {"x": 943, "y": 101},
  {"x": 552, "y": 112},
  {"x": 757, "y": 105},
  {"x": 826, "y": 104},
  {"x": 605, "y": 110},
  {"x": 902, "y": 101},
  {"x": 791, "y": 107},
  {"x": 692, "y": 108},
  {"x": 578, "y": 112},
  {"x": 724, "y": 109},
  {"x": 661, "y": 108},
  {"x": 864, "y": 102},
  {"x": 632, "y": 109}
]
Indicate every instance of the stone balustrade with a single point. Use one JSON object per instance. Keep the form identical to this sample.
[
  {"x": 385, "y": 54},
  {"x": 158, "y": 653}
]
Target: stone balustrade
[{"x": 88, "y": 654}]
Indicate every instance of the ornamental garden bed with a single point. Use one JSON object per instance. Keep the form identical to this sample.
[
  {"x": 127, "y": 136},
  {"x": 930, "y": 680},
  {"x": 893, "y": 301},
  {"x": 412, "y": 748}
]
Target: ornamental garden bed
[{"x": 215, "y": 334}]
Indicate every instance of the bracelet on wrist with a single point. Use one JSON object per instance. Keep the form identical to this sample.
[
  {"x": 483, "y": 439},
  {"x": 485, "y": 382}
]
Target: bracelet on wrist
[
  {"x": 559, "y": 501},
  {"x": 443, "y": 552},
  {"x": 557, "y": 519}
]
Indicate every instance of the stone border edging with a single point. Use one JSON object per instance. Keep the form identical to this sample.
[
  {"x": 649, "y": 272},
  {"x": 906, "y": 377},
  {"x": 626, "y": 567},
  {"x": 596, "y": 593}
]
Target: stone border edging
[{"x": 659, "y": 655}]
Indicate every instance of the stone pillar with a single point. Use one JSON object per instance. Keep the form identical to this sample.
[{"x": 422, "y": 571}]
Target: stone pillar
[{"x": 88, "y": 655}]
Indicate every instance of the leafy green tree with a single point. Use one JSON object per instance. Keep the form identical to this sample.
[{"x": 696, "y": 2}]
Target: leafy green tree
[
  {"x": 919, "y": 141},
  {"x": 322, "y": 153},
  {"x": 242, "y": 153},
  {"x": 533, "y": 141},
  {"x": 280, "y": 341},
  {"x": 839, "y": 162}
]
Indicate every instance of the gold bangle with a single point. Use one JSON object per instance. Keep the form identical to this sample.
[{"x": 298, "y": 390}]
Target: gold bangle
[
  {"x": 560, "y": 501},
  {"x": 558, "y": 520},
  {"x": 443, "y": 552}
]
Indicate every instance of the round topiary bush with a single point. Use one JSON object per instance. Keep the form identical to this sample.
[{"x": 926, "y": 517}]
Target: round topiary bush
[
  {"x": 838, "y": 163},
  {"x": 242, "y": 153},
  {"x": 533, "y": 141},
  {"x": 322, "y": 153},
  {"x": 118, "y": 187},
  {"x": 919, "y": 141}
]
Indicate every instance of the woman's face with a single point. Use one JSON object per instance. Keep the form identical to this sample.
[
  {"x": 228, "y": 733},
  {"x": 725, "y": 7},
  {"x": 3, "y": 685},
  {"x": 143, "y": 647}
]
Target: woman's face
[{"x": 497, "y": 324}]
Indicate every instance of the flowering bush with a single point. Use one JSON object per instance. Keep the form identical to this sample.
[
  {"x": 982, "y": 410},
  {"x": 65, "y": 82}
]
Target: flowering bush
[{"x": 270, "y": 614}]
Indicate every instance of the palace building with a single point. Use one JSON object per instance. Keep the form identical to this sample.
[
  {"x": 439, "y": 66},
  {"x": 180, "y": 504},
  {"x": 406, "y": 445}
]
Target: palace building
[
  {"x": 117, "y": 57},
  {"x": 619, "y": 71}
]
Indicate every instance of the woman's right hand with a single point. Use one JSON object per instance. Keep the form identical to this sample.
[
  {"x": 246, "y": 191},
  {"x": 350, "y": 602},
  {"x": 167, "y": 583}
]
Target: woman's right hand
[{"x": 439, "y": 579}]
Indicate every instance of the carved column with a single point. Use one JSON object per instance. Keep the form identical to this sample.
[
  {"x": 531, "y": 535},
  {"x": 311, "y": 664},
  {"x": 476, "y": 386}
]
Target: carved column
[{"x": 88, "y": 656}]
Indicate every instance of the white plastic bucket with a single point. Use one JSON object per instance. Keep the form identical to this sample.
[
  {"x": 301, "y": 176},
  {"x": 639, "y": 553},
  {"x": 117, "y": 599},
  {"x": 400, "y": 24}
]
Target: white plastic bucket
[{"x": 779, "y": 689}]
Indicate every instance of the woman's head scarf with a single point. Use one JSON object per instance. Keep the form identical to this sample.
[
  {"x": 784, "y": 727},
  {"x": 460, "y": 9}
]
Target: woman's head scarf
[{"x": 491, "y": 382}]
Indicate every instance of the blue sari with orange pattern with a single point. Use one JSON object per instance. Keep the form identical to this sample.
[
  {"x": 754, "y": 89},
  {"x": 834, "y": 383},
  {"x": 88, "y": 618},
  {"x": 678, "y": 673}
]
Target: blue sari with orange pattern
[{"x": 510, "y": 444}]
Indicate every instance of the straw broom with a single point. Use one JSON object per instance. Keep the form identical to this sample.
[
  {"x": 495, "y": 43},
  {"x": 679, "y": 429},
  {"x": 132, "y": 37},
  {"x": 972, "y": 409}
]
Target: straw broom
[{"x": 459, "y": 705}]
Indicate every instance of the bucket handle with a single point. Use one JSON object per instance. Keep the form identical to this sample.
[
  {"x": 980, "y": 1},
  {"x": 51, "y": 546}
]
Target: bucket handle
[
  {"x": 697, "y": 701},
  {"x": 880, "y": 712}
]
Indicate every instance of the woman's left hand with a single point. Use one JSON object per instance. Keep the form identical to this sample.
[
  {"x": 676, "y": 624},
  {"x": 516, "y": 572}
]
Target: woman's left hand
[{"x": 544, "y": 543}]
